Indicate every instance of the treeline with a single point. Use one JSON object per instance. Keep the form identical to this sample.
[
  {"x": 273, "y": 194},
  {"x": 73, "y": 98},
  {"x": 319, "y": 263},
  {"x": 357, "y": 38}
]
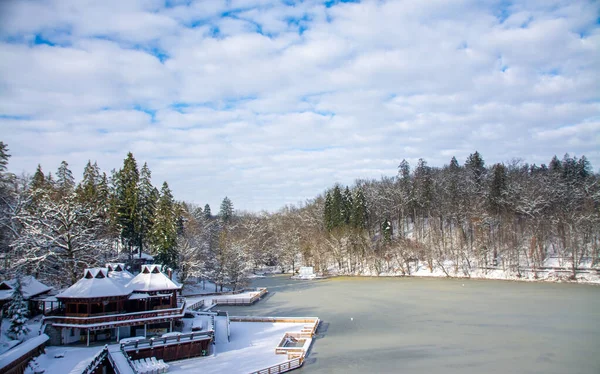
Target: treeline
[
  {"x": 53, "y": 228},
  {"x": 458, "y": 219}
]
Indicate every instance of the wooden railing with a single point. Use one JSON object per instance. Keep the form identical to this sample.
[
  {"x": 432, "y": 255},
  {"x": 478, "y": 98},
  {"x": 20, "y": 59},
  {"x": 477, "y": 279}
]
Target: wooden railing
[
  {"x": 313, "y": 320},
  {"x": 283, "y": 367},
  {"x": 97, "y": 360},
  {"x": 159, "y": 342},
  {"x": 242, "y": 301},
  {"x": 196, "y": 305},
  {"x": 114, "y": 319}
]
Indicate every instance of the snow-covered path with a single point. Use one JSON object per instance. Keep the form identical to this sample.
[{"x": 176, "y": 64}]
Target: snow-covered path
[
  {"x": 75, "y": 359},
  {"x": 252, "y": 347}
]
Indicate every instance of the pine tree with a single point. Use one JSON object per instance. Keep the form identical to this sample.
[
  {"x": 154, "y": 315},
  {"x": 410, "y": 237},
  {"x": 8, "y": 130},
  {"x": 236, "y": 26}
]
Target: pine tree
[
  {"x": 4, "y": 156},
  {"x": 17, "y": 313},
  {"x": 128, "y": 205},
  {"x": 87, "y": 190},
  {"x": 359, "y": 210},
  {"x": 347, "y": 205},
  {"x": 476, "y": 168},
  {"x": 337, "y": 218},
  {"x": 386, "y": 229},
  {"x": 148, "y": 198},
  {"x": 65, "y": 183},
  {"x": 226, "y": 212},
  {"x": 38, "y": 181},
  {"x": 164, "y": 231},
  {"x": 497, "y": 189},
  {"x": 327, "y": 213},
  {"x": 207, "y": 212}
]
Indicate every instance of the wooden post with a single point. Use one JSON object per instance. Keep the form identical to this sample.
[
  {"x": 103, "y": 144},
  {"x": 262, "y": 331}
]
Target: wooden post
[
  {"x": 88, "y": 337},
  {"x": 118, "y": 332},
  {"x": 145, "y": 325}
]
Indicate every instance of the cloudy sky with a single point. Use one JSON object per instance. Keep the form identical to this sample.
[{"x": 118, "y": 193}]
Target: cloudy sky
[{"x": 270, "y": 102}]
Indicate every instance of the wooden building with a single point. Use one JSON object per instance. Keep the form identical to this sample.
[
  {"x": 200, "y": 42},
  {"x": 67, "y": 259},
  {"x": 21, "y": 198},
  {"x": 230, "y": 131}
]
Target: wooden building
[
  {"x": 102, "y": 307},
  {"x": 31, "y": 289}
]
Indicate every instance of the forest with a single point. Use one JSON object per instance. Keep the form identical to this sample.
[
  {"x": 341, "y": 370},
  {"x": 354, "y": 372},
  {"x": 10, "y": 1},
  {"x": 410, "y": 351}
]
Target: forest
[{"x": 459, "y": 219}]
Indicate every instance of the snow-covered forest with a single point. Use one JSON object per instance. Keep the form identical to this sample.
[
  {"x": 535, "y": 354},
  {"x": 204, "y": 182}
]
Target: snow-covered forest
[
  {"x": 458, "y": 220},
  {"x": 514, "y": 220}
]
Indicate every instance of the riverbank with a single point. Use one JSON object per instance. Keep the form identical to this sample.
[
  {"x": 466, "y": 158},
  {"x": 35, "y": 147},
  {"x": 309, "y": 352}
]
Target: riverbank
[{"x": 551, "y": 274}]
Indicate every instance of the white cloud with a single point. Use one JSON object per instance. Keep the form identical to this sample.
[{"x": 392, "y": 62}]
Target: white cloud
[{"x": 272, "y": 103}]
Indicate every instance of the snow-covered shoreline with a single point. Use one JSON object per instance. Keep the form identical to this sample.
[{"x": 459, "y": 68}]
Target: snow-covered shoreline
[{"x": 526, "y": 276}]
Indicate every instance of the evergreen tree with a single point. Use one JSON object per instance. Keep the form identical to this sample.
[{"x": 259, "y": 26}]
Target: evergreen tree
[
  {"x": 476, "y": 168},
  {"x": 127, "y": 203},
  {"x": 337, "y": 218},
  {"x": 347, "y": 205},
  {"x": 4, "y": 156},
  {"x": 497, "y": 189},
  {"x": 207, "y": 212},
  {"x": 226, "y": 212},
  {"x": 386, "y": 229},
  {"x": 38, "y": 181},
  {"x": 164, "y": 231},
  {"x": 327, "y": 214},
  {"x": 17, "y": 313},
  {"x": 87, "y": 191},
  {"x": 148, "y": 198},
  {"x": 359, "y": 211},
  {"x": 555, "y": 165},
  {"x": 65, "y": 183}
]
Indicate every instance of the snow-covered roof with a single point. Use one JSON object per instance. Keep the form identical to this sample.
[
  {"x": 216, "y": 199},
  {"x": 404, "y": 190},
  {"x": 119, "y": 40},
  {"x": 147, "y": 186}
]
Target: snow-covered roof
[
  {"x": 29, "y": 286},
  {"x": 95, "y": 283},
  {"x": 10, "y": 356},
  {"x": 137, "y": 296},
  {"x": 152, "y": 279},
  {"x": 146, "y": 256},
  {"x": 117, "y": 272}
]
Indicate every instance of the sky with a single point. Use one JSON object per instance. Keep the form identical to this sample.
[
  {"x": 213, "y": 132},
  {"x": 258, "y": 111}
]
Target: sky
[{"x": 272, "y": 102}]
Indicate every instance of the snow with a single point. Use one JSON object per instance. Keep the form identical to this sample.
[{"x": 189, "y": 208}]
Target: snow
[
  {"x": 221, "y": 329},
  {"x": 193, "y": 287},
  {"x": 553, "y": 269},
  {"x": 75, "y": 359},
  {"x": 252, "y": 347},
  {"x": 11, "y": 355},
  {"x": 137, "y": 296},
  {"x": 95, "y": 287},
  {"x": 152, "y": 279},
  {"x": 122, "y": 276},
  {"x": 29, "y": 287},
  {"x": 119, "y": 359}
]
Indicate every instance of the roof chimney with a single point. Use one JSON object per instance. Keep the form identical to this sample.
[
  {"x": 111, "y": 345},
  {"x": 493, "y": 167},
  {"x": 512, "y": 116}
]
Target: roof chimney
[{"x": 170, "y": 273}]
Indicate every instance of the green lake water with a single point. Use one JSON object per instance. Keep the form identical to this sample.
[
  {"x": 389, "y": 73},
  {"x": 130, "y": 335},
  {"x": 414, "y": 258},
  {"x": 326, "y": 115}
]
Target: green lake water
[{"x": 420, "y": 325}]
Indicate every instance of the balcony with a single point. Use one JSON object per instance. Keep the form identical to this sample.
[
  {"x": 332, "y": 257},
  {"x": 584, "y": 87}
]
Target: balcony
[{"x": 117, "y": 320}]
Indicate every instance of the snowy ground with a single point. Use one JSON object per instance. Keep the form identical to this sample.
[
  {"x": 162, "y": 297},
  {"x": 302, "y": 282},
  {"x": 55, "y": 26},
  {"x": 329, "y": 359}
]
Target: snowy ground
[
  {"x": 194, "y": 287},
  {"x": 251, "y": 347},
  {"x": 74, "y": 361},
  {"x": 554, "y": 271},
  {"x": 7, "y": 343}
]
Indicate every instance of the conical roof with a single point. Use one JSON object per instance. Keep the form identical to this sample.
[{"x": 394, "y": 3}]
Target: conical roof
[
  {"x": 117, "y": 272},
  {"x": 152, "y": 279},
  {"x": 29, "y": 287},
  {"x": 95, "y": 283}
]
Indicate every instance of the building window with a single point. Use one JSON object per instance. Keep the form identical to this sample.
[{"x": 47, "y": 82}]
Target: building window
[{"x": 82, "y": 308}]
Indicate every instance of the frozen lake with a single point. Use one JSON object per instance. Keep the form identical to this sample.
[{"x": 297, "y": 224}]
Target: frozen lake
[{"x": 406, "y": 325}]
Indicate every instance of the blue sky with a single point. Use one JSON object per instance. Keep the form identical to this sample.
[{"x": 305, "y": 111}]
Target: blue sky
[{"x": 271, "y": 102}]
